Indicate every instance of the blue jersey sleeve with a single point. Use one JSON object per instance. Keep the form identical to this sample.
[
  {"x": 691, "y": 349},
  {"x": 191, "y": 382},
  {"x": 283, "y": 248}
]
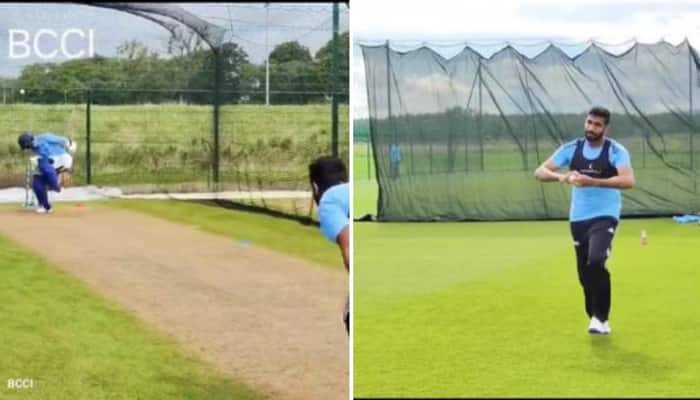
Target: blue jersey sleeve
[
  {"x": 48, "y": 144},
  {"x": 619, "y": 157},
  {"x": 42, "y": 149},
  {"x": 563, "y": 155},
  {"x": 333, "y": 213},
  {"x": 51, "y": 139}
]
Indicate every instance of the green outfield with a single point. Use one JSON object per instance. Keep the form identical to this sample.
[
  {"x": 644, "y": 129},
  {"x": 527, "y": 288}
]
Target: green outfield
[
  {"x": 504, "y": 180},
  {"x": 73, "y": 344},
  {"x": 260, "y": 146},
  {"x": 495, "y": 309},
  {"x": 364, "y": 188},
  {"x": 284, "y": 236}
]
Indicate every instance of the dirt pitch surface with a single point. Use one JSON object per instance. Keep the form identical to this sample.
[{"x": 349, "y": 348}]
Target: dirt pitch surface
[{"x": 272, "y": 321}]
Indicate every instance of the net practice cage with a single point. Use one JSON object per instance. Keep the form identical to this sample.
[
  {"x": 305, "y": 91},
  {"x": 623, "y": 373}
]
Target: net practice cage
[
  {"x": 177, "y": 96},
  {"x": 460, "y": 138}
]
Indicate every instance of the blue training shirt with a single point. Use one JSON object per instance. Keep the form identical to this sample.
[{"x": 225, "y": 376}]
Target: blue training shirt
[
  {"x": 334, "y": 210},
  {"x": 49, "y": 144},
  {"x": 591, "y": 202},
  {"x": 395, "y": 153}
]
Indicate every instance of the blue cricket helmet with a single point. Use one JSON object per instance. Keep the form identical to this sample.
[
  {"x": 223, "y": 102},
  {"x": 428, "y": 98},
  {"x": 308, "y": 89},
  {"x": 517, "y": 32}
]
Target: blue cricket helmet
[{"x": 25, "y": 141}]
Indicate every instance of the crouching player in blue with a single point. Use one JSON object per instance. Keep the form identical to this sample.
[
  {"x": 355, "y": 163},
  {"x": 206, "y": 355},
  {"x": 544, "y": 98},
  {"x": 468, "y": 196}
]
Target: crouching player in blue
[
  {"x": 331, "y": 192},
  {"x": 53, "y": 157}
]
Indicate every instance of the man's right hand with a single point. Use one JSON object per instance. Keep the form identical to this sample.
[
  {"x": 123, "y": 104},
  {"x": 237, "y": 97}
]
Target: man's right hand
[
  {"x": 568, "y": 177},
  {"x": 547, "y": 172}
]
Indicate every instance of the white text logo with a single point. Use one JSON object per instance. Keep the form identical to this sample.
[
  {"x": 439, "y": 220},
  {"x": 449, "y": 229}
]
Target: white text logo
[
  {"x": 23, "y": 45},
  {"x": 20, "y": 383}
]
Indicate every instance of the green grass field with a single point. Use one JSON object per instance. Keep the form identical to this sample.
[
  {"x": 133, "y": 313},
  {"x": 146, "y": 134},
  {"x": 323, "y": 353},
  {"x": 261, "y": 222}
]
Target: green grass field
[
  {"x": 364, "y": 187},
  {"x": 505, "y": 182},
  {"x": 172, "y": 143},
  {"x": 496, "y": 310},
  {"x": 75, "y": 345},
  {"x": 284, "y": 236},
  {"x": 506, "y": 156}
]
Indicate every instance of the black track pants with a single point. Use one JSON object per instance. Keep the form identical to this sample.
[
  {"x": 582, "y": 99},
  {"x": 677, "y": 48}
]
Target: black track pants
[{"x": 593, "y": 243}]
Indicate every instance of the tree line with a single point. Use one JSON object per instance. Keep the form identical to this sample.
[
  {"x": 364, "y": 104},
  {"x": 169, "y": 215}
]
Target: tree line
[
  {"x": 454, "y": 125},
  {"x": 138, "y": 74}
]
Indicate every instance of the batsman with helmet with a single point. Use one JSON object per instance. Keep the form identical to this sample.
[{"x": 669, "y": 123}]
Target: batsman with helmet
[{"x": 53, "y": 157}]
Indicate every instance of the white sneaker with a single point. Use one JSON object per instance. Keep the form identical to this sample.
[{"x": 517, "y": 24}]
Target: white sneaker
[
  {"x": 596, "y": 327},
  {"x": 606, "y": 327},
  {"x": 42, "y": 210}
]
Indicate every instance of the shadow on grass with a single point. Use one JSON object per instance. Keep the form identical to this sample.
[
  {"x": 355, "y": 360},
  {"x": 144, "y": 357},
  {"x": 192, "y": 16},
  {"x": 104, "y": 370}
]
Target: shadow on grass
[
  {"x": 231, "y": 205},
  {"x": 214, "y": 389},
  {"x": 625, "y": 361}
]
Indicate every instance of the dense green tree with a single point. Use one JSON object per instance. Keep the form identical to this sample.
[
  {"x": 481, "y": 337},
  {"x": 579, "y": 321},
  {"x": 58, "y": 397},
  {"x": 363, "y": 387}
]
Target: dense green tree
[
  {"x": 290, "y": 51},
  {"x": 324, "y": 57},
  {"x": 137, "y": 74}
]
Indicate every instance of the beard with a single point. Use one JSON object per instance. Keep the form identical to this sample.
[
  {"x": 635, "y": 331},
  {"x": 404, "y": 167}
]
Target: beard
[
  {"x": 593, "y": 137},
  {"x": 315, "y": 193}
]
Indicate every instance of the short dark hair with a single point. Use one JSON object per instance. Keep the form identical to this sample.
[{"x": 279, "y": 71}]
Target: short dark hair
[
  {"x": 326, "y": 172},
  {"x": 601, "y": 112}
]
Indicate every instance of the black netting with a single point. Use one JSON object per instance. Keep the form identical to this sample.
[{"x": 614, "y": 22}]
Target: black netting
[
  {"x": 177, "y": 97},
  {"x": 459, "y": 138},
  {"x": 133, "y": 81}
]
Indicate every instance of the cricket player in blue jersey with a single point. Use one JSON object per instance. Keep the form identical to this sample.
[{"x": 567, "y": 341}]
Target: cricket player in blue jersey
[
  {"x": 331, "y": 193},
  {"x": 54, "y": 157},
  {"x": 599, "y": 168}
]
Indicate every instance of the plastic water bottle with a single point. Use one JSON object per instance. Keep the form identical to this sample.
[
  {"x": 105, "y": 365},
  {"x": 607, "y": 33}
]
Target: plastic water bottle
[{"x": 644, "y": 237}]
